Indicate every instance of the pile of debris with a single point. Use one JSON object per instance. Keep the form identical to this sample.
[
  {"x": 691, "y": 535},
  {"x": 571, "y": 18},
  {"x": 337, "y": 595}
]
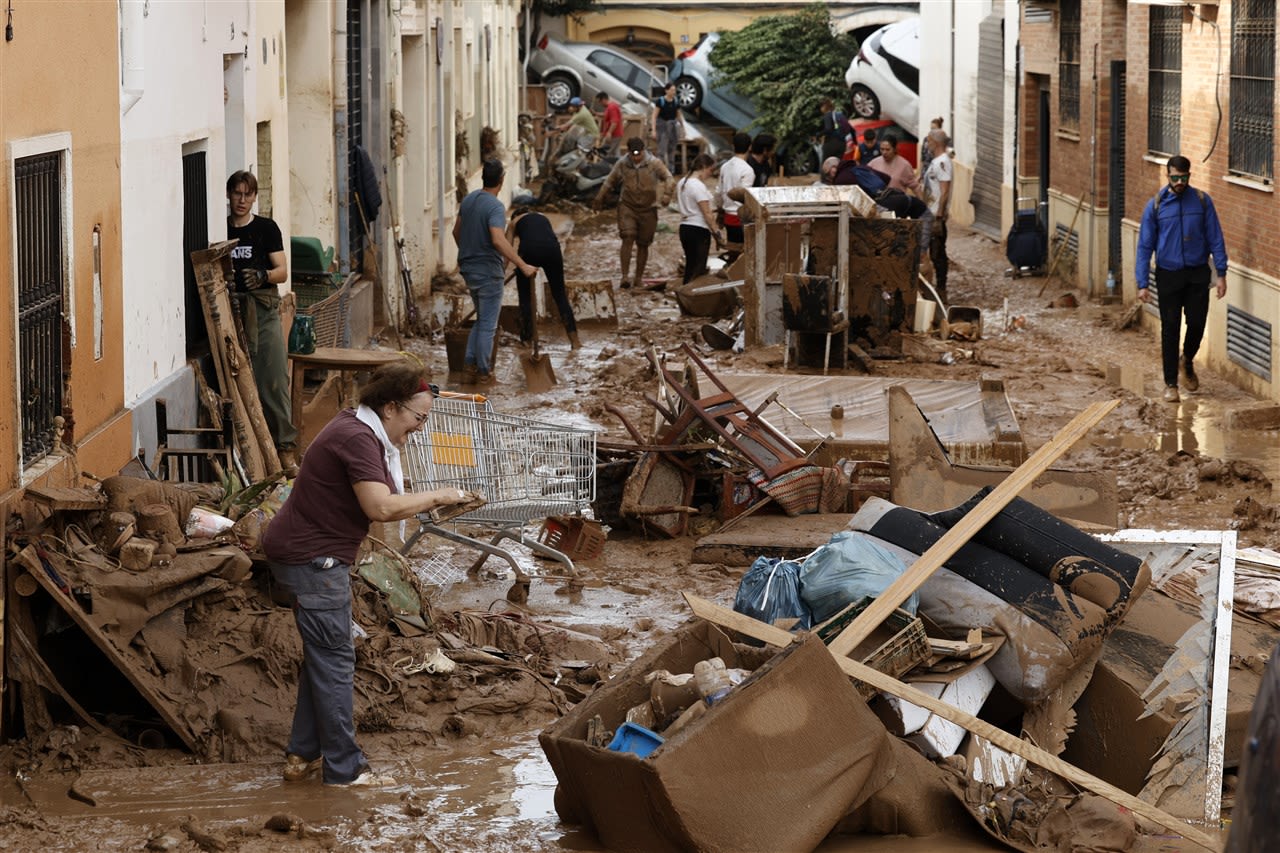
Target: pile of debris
[
  {"x": 911, "y": 645},
  {"x": 155, "y": 632}
]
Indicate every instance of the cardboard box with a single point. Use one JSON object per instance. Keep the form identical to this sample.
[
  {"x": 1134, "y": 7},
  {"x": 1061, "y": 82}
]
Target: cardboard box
[{"x": 772, "y": 766}]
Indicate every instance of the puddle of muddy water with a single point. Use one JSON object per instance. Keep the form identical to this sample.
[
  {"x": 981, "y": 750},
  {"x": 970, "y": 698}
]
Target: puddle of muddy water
[{"x": 1196, "y": 425}]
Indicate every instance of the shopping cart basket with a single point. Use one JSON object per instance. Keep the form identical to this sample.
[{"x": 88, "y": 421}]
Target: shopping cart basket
[{"x": 526, "y": 470}]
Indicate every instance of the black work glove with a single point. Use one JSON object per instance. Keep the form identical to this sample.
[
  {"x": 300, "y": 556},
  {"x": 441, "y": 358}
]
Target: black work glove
[{"x": 250, "y": 279}]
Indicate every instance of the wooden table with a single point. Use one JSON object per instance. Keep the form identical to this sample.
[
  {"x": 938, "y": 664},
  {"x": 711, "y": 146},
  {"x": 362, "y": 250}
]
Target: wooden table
[{"x": 333, "y": 358}]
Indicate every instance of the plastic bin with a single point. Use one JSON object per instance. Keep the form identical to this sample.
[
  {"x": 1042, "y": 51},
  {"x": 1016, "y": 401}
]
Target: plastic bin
[{"x": 635, "y": 738}]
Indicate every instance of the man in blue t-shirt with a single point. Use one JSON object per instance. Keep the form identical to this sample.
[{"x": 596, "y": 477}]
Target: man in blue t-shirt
[{"x": 480, "y": 232}]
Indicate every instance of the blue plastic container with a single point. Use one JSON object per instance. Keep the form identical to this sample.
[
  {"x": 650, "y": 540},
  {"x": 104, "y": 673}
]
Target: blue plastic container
[{"x": 633, "y": 738}]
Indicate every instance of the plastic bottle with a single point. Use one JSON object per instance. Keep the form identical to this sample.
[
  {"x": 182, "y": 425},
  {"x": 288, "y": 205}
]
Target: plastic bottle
[
  {"x": 1111, "y": 283},
  {"x": 711, "y": 676}
]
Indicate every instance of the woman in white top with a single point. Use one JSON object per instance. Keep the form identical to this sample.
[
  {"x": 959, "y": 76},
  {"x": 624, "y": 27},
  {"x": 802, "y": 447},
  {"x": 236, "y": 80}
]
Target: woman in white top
[{"x": 697, "y": 220}]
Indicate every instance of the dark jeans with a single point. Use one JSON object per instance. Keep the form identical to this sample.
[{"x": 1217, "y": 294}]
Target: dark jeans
[
  {"x": 938, "y": 254},
  {"x": 696, "y": 243},
  {"x": 551, "y": 261},
  {"x": 1181, "y": 291},
  {"x": 323, "y": 721}
]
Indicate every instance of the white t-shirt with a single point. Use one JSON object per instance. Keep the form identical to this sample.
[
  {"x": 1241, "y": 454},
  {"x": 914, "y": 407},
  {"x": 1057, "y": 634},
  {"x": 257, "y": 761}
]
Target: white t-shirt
[
  {"x": 734, "y": 172},
  {"x": 693, "y": 191},
  {"x": 939, "y": 171}
]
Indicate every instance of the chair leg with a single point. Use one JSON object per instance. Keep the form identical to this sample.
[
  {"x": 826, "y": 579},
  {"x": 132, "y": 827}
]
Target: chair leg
[
  {"x": 786, "y": 348},
  {"x": 826, "y": 355}
]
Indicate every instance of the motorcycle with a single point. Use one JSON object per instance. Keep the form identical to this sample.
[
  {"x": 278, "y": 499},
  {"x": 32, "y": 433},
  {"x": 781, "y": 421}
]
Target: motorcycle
[{"x": 577, "y": 171}]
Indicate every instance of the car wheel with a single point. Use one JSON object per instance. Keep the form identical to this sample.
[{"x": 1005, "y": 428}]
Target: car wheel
[
  {"x": 688, "y": 93},
  {"x": 560, "y": 88},
  {"x": 865, "y": 102},
  {"x": 801, "y": 160}
]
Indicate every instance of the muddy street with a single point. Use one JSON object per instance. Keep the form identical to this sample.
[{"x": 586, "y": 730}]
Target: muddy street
[{"x": 463, "y": 746}]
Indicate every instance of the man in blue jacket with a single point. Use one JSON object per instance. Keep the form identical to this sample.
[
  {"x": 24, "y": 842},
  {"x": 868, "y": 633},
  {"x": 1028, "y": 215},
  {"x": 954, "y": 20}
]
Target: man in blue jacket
[{"x": 1180, "y": 225}]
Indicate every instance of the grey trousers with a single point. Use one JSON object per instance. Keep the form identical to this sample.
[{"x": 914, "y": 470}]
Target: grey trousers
[{"x": 323, "y": 721}]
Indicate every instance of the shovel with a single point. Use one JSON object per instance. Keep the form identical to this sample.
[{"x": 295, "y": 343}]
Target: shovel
[{"x": 539, "y": 375}]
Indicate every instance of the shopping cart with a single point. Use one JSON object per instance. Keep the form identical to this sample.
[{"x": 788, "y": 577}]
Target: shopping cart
[{"x": 526, "y": 470}]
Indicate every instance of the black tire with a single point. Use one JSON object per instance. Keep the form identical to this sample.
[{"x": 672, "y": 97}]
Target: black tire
[
  {"x": 688, "y": 93},
  {"x": 560, "y": 88},
  {"x": 801, "y": 160},
  {"x": 864, "y": 101}
]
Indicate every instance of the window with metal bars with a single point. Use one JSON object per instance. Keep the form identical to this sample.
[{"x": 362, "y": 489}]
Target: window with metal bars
[
  {"x": 37, "y": 207},
  {"x": 1164, "y": 90},
  {"x": 1069, "y": 65},
  {"x": 1253, "y": 85}
]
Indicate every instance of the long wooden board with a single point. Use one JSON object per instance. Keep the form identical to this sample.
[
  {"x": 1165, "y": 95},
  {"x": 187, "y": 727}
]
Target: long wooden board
[
  {"x": 942, "y": 550},
  {"x": 774, "y": 636}
]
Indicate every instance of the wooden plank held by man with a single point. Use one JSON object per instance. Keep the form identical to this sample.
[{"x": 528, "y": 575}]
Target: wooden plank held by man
[{"x": 253, "y": 439}]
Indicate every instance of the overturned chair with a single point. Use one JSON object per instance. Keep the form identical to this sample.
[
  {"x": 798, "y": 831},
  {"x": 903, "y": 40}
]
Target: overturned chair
[{"x": 527, "y": 470}]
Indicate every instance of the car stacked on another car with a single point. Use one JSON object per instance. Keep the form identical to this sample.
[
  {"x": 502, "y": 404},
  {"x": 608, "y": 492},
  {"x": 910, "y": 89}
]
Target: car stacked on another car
[
  {"x": 584, "y": 69},
  {"x": 884, "y": 78}
]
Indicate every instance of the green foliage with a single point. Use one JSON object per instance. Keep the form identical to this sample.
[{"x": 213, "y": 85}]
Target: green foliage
[
  {"x": 560, "y": 8},
  {"x": 787, "y": 64}
]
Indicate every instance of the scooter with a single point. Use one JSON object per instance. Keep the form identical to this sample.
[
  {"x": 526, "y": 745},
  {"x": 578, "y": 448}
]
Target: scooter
[{"x": 578, "y": 173}]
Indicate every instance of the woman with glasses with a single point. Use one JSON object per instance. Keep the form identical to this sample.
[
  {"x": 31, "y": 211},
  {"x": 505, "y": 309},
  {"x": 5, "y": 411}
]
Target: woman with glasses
[{"x": 350, "y": 477}]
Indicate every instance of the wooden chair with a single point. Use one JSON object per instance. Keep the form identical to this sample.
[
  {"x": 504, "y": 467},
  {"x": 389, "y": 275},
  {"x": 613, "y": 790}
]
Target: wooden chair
[{"x": 203, "y": 454}]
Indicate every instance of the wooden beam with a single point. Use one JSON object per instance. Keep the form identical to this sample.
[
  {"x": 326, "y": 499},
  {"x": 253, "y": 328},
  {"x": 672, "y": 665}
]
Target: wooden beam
[
  {"x": 942, "y": 550},
  {"x": 774, "y": 636}
]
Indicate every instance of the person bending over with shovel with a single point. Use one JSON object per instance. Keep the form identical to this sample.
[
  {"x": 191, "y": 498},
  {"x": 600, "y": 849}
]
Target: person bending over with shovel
[{"x": 536, "y": 243}]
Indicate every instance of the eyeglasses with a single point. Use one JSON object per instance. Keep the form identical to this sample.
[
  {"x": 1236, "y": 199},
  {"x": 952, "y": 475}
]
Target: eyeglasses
[
  {"x": 1179, "y": 179},
  {"x": 422, "y": 419}
]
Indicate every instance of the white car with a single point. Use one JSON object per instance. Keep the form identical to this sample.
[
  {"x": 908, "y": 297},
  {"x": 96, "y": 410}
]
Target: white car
[{"x": 884, "y": 78}]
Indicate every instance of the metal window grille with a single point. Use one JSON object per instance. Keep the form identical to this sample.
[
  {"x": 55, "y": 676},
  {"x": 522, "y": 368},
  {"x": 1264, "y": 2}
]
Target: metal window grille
[
  {"x": 355, "y": 123},
  {"x": 1249, "y": 342},
  {"x": 1069, "y": 65},
  {"x": 1253, "y": 67},
  {"x": 1164, "y": 93},
  {"x": 38, "y": 215}
]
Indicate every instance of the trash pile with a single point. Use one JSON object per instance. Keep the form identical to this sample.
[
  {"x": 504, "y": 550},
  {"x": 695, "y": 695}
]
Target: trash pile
[
  {"x": 142, "y": 615},
  {"x": 873, "y": 685}
]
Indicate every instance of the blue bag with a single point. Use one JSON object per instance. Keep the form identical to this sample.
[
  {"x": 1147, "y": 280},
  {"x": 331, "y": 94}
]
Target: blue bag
[
  {"x": 845, "y": 570},
  {"x": 770, "y": 590}
]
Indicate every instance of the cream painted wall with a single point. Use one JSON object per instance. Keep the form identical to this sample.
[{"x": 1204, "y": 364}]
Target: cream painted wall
[
  {"x": 310, "y": 79},
  {"x": 181, "y": 103}
]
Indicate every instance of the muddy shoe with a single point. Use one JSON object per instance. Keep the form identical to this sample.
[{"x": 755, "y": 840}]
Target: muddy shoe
[
  {"x": 625, "y": 284},
  {"x": 484, "y": 380},
  {"x": 288, "y": 461},
  {"x": 297, "y": 768},
  {"x": 574, "y": 343},
  {"x": 469, "y": 374},
  {"x": 1171, "y": 393},
  {"x": 1193, "y": 381}
]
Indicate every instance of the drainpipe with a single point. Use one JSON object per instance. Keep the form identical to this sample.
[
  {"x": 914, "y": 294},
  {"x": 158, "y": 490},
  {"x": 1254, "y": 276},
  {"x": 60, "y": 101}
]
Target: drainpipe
[
  {"x": 132, "y": 53},
  {"x": 339, "y": 88},
  {"x": 441, "y": 151},
  {"x": 1093, "y": 170}
]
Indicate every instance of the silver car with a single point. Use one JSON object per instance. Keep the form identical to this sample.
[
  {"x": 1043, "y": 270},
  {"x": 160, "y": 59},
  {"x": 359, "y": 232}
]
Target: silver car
[
  {"x": 693, "y": 73},
  {"x": 584, "y": 69}
]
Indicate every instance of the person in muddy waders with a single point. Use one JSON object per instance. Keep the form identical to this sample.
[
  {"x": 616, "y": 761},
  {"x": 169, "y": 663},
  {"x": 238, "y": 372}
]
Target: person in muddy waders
[
  {"x": 1180, "y": 227},
  {"x": 536, "y": 241},
  {"x": 646, "y": 183},
  {"x": 351, "y": 476},
  {"x": 480, "y": 231},
  {"x": 260, "y": 264}
]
